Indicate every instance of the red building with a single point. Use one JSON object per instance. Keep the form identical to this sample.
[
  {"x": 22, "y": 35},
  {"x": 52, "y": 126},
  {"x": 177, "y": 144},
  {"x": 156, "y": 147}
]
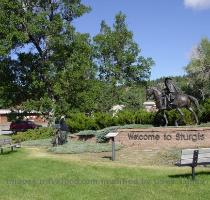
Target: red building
[{"x": 32, "y": 116}]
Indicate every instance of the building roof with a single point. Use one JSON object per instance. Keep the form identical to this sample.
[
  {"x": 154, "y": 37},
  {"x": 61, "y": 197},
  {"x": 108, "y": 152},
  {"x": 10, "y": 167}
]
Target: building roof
[
  {"x": 149, "y": 103},
  {"x": 4, "y": 111},
  {"x": 8, "y": 111}
]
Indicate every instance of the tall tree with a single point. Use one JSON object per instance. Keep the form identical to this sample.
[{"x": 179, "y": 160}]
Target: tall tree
[
  {"x": 47, "y": 61},
  {"x": 199, "y": 67},
  {"x": 118, "y": 61},
  {"x": 117, "y": 55}
]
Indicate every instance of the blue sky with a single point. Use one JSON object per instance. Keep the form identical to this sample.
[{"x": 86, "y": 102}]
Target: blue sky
[{"x": 165, "y": 30}]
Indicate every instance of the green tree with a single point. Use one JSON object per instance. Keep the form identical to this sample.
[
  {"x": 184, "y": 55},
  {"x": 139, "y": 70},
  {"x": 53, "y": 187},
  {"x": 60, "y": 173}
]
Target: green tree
[
  {"x": 117, "y": 55},
  {"x": 198, "y": 68},
  {"x": 133, "y": 97},
  {"x": 119, "y": 64},
  {"x": 45, "y": 63}
]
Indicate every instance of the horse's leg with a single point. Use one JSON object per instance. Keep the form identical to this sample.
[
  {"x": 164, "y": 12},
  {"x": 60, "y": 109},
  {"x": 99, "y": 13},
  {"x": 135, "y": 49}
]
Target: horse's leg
[
  {"x": 195, "y": 116},
  {"x": 156, "y": 116},
  {"x": 165, "y": 117},
  {"x": 181, "y": 116}
]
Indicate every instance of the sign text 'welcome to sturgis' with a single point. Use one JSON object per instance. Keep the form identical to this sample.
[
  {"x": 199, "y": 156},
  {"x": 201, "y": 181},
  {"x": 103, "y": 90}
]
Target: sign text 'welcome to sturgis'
[{"x": 178, "y": 137}]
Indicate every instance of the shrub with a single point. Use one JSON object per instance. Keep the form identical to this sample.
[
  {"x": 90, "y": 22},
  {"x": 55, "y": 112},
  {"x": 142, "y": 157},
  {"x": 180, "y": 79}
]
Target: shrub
[
  {"x": 33, "y": 134},
  {"x": 86, "y": 133},
  {"x": 104, "y": 120},
  {"x": 125, "y": 117},
  {"x": 188, "y": 117},
  {"x": 78, "y": 121},
  {"x": 144, "y": 117},
  {"x": 100, "y": 135},
  {"x": 205, "y": 117},
  {"x": 158, "y": 120}
]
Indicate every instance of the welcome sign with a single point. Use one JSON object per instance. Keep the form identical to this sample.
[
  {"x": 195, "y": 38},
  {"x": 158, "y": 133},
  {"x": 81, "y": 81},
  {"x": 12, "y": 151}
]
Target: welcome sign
[{"x": 179, "y": 137}]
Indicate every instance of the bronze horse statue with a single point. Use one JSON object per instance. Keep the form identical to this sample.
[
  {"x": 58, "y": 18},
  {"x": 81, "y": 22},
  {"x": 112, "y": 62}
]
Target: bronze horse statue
[{"x": 180, "y": 101}]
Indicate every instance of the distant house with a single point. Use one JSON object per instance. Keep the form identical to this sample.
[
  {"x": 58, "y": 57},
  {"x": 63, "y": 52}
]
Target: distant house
[
  {"x": 32, "y": 116},
  {"x": 150, "y": 106},
  {"x": 3, "y": 115}
]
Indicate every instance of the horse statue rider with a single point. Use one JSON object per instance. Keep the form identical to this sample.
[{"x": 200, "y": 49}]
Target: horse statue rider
[
  {"x": 170, "y": 98},
  {"x": 168, "y": 94}
]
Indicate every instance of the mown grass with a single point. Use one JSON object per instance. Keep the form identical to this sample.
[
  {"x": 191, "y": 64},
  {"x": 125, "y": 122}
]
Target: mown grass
[{"x": 26, "y": 177}]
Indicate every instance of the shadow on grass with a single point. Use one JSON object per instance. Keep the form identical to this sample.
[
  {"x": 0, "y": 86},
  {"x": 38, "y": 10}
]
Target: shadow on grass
[
  {"x": 107, "y": 157},
  {"x": 189, "y": 175}
]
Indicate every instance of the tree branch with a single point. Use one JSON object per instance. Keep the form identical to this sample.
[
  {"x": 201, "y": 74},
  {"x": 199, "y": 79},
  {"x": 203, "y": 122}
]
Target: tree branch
[{"x": 36, "y": 44}]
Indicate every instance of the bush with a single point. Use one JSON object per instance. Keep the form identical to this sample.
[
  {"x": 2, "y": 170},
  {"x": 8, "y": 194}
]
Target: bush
[
  {"x": 86, "y": 133},
  {"x": 144, "y": 117},
  {"x": 205, "y": 117},
  {"x": 100, "y": 135},
  {"x": 104, "y": 120},
  {"x": 33, "y": 134},
  {"x": 79, "y": 121},
  {"x": 125, "y": 117},
  {"x": 174, "y": 115}
]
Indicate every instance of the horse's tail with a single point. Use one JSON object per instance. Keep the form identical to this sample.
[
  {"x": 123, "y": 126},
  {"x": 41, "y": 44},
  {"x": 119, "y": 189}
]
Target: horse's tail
[{"x": 195, "y": 101}]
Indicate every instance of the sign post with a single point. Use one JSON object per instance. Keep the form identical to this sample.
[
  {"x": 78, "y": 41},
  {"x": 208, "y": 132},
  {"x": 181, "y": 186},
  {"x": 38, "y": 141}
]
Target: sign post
[{"x": 112, "y": 136}]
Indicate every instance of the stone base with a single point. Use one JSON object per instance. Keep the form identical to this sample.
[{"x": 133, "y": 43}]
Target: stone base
[{"x": 157, "y": 138}]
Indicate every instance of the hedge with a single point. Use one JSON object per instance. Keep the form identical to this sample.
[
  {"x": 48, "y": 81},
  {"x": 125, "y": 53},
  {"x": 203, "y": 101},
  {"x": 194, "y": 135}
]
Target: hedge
[
  {"x": 79, "y": 121},
  {"x": 205, "y": 117},
  {"x": 33, "y": 134}
]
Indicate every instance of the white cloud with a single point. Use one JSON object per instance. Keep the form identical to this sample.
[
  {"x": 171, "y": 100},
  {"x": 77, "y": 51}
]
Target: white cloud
[{"x": 197, "y": 4}]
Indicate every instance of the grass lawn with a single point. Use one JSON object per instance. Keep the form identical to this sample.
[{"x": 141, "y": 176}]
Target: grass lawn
[{"x": 26, "y": 176}]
